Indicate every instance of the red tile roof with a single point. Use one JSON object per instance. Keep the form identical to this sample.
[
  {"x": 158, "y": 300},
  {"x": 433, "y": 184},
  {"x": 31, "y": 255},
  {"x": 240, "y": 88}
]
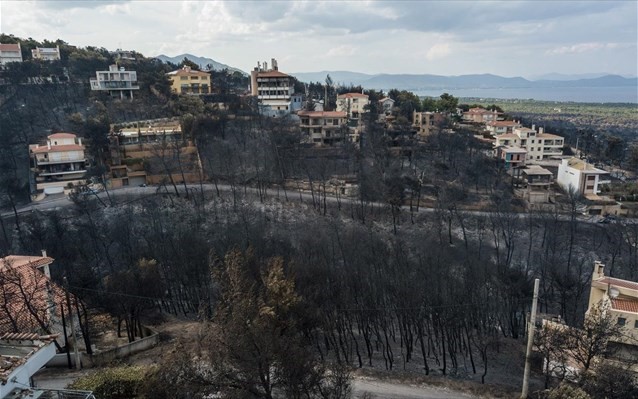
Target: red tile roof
[
  {"x": 9, "y": 47},
  {"x": 27, "y": 295},
  {"x": 62, "y": 136},
  {"x": 503, "y": 123},
  {"x": 352, "y": 95},
  {"x": 187, "y": 72},
  {"x": 624, "y": 305},
  {"x": 272, "y": 74},
  {"x": 58, "y": 148},
  {"x": 620, "y": 283}
]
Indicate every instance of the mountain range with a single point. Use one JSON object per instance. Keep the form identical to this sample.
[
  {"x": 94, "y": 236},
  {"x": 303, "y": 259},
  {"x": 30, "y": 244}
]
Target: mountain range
[
  {"x": 415, "y": 82},
  {"x": 479, "y": 81},
  {"x": 201, "y": 61}
]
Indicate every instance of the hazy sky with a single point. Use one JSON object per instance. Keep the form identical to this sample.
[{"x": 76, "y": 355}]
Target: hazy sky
[{"x": 507, "y": 38}]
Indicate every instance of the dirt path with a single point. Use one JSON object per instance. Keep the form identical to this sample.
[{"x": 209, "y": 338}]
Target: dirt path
[{"x": 395, "y": 390}]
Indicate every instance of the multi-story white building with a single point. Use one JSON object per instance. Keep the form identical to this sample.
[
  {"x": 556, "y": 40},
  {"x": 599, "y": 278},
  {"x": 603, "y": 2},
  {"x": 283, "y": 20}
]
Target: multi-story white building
[
  {"x": 539, "y": 145},
  {"x": 116, "y": 81},
  {"x": 10, "y": 53},
  {"x": 324, "y": 127},
  {"x": 60, "y": 162},
  {"x": 353, "y": 104},
  {"x": 578, "y": 175},
  {"x": 274, "y": 90},
  {"x": 46, "y": 53}
]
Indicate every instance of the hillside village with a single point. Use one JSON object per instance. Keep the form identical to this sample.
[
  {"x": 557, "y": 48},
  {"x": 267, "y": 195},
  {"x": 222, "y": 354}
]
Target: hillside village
[{"x": 172, "y": 178}]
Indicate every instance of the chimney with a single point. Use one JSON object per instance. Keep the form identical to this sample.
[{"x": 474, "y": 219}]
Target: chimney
[
  {"x": 273, "y": 63},
  {"x": 533, "y": 127},
  {"x": 265, "y": 66},
  {"x": 80, "y": 140},
  {"x": 599, "y": 270},
  {"x": 540, "y": 130},
  {"x": 45, "y": 268},
  {"x": 49, "y": 144}
]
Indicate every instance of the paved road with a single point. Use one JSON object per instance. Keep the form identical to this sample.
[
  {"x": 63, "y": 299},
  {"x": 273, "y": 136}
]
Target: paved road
[
  {"x": 134, "y": 193},
  {"x": 393, "y": 390}
]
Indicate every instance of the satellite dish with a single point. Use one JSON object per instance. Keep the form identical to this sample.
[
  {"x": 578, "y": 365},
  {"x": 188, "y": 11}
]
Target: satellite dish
[{"x": 613, "y": 292}]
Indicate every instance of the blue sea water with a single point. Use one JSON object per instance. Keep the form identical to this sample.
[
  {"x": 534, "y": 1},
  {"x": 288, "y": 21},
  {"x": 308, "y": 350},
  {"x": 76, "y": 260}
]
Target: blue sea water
[{"x": 621, "y": 94}]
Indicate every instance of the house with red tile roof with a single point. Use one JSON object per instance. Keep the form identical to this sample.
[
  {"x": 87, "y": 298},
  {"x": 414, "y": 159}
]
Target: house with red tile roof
[
  {"x": 496, "y": 128},
  {"x": 190, "y": 81},
  {"x": 60, "y": 162},
  {"x": 10, "y": 53},
  {"x": 620, "y": 297},
  {"x": 352, "y": 104},
  {"x": 275, "y": 90},
  {"x": 480, "y": 115},
  {"x": 29, "y": 300}
]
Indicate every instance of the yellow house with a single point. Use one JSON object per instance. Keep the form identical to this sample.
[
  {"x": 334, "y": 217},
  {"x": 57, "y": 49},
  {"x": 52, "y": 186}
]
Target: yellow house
[
  {"x": 621, "y": 297},
  {"x": 189, "y": 81}
]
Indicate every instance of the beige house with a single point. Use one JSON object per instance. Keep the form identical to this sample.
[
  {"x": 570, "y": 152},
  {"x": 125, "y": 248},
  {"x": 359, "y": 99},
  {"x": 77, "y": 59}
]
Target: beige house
[
  {"x": 149, "y": 152},
  {"x": 496, "y": 128},
  {"x": 324, "y": 127},
  {"x": 353, "y": 104},
  {"x": 620, "y": 297},
  {"x": 427, "y": 123},
  {"x": 480, "y": 115},
  {"x": 58, "y": 163},
  {"x": 46, "y": 53},
  {"x": 189, "y": 81}
]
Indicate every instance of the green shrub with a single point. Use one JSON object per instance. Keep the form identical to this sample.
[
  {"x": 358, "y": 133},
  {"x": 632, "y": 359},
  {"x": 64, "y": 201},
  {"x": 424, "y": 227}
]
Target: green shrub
[{"x": 112, "y": 383}]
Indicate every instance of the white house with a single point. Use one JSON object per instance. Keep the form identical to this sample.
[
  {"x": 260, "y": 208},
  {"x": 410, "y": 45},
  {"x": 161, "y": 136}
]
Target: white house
[
  {"x": 60, "y": 162},
  {"x": 10, "y": 52},
  {"x": 274, "y": 90},
  {"x": 21, "y": 356},
  {"x": 539, "y": 145},
  {"x": 115, "y": 81},
  {"x": 580, "y": 176}
]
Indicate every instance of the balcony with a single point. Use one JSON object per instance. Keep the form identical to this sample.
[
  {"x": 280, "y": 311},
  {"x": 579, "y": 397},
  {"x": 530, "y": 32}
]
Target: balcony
[
  {"x": 60, "y": 161},
  {"x": 62, "y": 172}
]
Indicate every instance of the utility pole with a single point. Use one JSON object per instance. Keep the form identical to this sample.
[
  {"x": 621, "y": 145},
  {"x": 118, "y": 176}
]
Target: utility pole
[
  {"x": 530, "y": 341},
  {"x": 73, "y": 338}
]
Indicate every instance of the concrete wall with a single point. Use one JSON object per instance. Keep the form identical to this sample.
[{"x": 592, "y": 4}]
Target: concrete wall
[{"x": 109, "y": 355}]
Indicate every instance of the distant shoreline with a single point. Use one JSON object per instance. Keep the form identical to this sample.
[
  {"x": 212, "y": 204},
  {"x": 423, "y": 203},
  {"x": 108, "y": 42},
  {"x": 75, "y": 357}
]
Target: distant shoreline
[{"x": 584, "y": 95}]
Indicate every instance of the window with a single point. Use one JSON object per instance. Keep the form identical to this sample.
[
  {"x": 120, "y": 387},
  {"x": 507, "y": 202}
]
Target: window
[
  {"x": 636, "y": 324},
  {"x": 183, "y": 78},
  {"x": 532, "y": 141},
  {"x": 621, "y": 321}
]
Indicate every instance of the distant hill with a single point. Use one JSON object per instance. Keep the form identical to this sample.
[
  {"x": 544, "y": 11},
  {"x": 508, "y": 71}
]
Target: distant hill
[
  {"x": 201, "y": 61},
  {"x": 434, "y": 82},
  {"x": 338, "y": 77}
]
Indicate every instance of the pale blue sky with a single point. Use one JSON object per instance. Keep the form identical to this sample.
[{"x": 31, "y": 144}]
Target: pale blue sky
[{"x": 508, "y": 38}]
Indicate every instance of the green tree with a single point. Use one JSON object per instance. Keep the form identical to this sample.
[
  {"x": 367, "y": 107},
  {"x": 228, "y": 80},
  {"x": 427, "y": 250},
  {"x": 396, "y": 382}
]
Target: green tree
[{"x": 255, "y": 343}]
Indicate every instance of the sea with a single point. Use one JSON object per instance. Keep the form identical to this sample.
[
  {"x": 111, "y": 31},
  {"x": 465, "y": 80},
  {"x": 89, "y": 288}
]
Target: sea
[{"x": 621, "y": 94}]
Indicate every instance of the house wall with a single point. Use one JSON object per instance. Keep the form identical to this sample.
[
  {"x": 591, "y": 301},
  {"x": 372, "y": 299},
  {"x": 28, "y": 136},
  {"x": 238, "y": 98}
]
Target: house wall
[
  {"x": 21, "y": 376},
  {"x": 568, "y": 177}
]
